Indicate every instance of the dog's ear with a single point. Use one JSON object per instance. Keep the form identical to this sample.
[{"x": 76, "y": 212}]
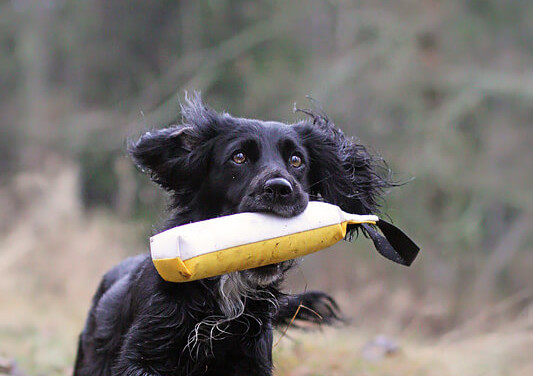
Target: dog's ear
[
  {"x": 165, "y": 154},
  {"x": 342, "y": 171},
  {"x": 177, "y": 157}
]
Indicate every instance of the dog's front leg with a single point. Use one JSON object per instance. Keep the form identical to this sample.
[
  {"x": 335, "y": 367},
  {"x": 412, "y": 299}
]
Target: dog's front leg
[
  {"x": 312, "y": 306},
  {"x": 129, "y": 362},
  {"x": 244, "y": 355},
  {"x": 151, "y": 346},
  {"x": 258, "y": 359}
]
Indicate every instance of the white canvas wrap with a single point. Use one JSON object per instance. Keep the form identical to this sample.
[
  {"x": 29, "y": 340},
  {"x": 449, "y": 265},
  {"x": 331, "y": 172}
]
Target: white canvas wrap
[{"x": 199, "y": 238}]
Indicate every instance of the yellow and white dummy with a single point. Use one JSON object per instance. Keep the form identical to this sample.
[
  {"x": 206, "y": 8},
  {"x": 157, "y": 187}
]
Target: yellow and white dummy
[{"x": 250, "y": 240}]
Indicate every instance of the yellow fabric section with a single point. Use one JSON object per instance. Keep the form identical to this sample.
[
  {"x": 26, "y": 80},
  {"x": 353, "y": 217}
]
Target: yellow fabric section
[
  {"x": 250, "y": 255},
  {"x": 173, "y": 270}
]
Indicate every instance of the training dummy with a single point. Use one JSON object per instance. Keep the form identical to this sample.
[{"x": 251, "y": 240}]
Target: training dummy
[{"x": 250, "y": 240}]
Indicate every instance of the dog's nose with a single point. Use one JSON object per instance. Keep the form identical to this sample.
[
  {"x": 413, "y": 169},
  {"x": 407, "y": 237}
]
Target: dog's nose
[{"x": 278, "y": 186}]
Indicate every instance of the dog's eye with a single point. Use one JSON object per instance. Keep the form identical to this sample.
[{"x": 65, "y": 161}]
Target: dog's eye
[
  {"x": 295, "y": 160},
  {"x": 239, "y": 157}
]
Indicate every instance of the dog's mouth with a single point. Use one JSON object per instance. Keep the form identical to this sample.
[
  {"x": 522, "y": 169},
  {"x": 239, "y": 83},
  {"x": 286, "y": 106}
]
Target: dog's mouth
[
  {"x": 283, "y": 207},
  {"x": 268, "y": 274},
  {"x": 268, "y": 269}
]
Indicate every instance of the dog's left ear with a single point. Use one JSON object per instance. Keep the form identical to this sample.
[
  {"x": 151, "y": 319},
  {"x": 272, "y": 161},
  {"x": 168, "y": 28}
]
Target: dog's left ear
[{"x": 344, "y": 173}]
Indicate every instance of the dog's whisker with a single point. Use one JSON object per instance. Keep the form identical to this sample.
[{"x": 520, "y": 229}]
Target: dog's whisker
[{"x": 321, "y": 180}]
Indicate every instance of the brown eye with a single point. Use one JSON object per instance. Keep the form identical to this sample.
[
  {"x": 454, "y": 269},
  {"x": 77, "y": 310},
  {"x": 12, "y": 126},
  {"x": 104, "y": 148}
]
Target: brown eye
[
  {"x": 239, "y": 157},
  {"x": 295, "y": 161}
]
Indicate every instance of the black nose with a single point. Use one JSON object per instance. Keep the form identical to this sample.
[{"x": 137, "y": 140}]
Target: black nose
[{"x": 278, "y": 186}]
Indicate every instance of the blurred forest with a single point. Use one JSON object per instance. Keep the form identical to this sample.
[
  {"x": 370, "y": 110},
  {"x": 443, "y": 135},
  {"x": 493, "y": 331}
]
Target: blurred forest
[{"x": 443, "y": 90}]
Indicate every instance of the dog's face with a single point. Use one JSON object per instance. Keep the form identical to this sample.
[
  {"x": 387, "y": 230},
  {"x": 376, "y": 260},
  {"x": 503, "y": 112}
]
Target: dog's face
[
  {"x": 215, "y": 164},
  {"x": 258, "y": 167}
]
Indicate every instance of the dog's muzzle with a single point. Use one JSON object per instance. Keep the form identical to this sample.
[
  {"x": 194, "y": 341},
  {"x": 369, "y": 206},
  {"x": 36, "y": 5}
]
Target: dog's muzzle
[{"x": 275, "y": 193}]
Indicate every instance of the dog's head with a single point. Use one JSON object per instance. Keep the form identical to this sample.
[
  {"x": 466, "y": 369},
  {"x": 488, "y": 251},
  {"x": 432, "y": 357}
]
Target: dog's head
[{"x": 215, "y": 164}]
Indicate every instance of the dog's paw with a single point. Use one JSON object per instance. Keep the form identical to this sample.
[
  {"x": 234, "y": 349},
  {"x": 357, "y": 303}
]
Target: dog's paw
[
  {"x": 319, "y": 308},
  {"x": 307, "y": 310}
]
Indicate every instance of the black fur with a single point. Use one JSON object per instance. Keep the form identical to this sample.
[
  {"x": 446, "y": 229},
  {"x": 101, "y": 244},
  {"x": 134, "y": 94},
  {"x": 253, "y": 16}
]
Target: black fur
[{"x": 142, "y": 325}]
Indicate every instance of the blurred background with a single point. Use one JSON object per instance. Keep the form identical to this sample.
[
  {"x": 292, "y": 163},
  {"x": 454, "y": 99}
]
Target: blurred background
[{"x": 443, "y": 90}]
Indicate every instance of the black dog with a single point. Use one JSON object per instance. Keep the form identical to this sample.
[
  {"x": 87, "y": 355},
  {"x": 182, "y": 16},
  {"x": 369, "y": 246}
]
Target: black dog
[{"x": 213, "y": 165}]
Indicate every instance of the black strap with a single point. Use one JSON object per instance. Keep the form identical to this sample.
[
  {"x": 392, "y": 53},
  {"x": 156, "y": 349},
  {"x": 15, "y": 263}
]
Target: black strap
[{"x": 394, "y": 244}]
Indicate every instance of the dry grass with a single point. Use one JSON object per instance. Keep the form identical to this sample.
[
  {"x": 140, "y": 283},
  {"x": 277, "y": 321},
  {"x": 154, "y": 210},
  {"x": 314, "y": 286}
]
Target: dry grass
[
  {"x": 43, "y": 337},
  {"x": 52, "y": 257},
  {"x": 339, "y": 352},
  {"x": 51, "y": 260}
]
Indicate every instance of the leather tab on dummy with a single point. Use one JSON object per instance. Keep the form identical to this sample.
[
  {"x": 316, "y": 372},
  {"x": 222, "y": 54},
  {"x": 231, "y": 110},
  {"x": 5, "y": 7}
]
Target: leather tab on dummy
[{"x": 394, "y": 244}]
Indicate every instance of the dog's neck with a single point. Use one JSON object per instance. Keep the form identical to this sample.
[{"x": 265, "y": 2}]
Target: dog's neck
[{"x": 234, "y": 290}]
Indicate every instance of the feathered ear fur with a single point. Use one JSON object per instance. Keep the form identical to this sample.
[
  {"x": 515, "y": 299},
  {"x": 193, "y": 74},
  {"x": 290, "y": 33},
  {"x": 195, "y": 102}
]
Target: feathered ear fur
[
  {"x": 343, "y": 172},
  {"x": 160, "y": 152},
  {"x": 176, "y": 157}
]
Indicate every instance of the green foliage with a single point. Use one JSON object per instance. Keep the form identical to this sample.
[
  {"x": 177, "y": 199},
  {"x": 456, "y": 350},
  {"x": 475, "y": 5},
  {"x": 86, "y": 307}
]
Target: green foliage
[{"x": 98, "y": 179}]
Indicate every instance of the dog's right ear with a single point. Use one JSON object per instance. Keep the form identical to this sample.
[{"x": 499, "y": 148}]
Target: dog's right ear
[{"x": 165, "y": 154}]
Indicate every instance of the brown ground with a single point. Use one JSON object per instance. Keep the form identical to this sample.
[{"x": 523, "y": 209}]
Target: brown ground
[{"x": 52, "y": 256}]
